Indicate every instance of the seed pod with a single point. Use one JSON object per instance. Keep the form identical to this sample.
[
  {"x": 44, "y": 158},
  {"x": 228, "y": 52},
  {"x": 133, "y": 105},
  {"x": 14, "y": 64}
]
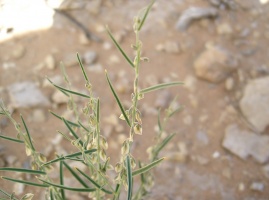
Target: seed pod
[
  {"x": 28, "y": 150},
  {"x": 138, "y": 118},
  {"x": 34, "y": 166},
  {"x": 103, "y": 142},
  {"x": 27, "y": 196},
  {"x": 125, "y": 147},
  {"x": 140, "y": 96},
  {"x": 102, "y": 155},
  {"x": 88, "y": 86},
  {"x": 94, "y": 158},
  {"x": 118, "y": 167},
  {"x": 42, "y": 158},
  {"x": 70, "y": 104},
  {"x": 138, "y": 129},
  {"x": 132, "y": 160}
]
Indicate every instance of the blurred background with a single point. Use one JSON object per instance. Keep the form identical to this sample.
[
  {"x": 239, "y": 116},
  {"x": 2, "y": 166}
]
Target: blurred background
[{"x": 218, "y": 48}]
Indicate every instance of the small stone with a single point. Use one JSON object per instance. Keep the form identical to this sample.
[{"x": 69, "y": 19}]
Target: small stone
[
  {"x": 241, "y": 187},
  {"x": 264, "y": 1},
  {"x": 90, "y": 57},
  {"x": 265, "y": 170},
  {"x": 112, "y": 119},
  {"x": 215, "y": 64},
  {"x": 245, "y": 143},
  {"x": 187, "y": 120},
  {"x": 25, "y": 95},
  {"x": 114, "y": 59},
  {"x": 8, "y": 65},
  {"x": 229, "y": 84},
  {"x": 59, "y": 98},
  {"x": 18, "y": 188},
  {"x": 190, "y": 83},
  {"x": 18, "y": 52},
  {"x": 257, "y": 186},
  {"x": 70, "y": 60},
  {"x": 99, "y": 28},
  {"x": 97, "y": 68},
  {"x": 11, "y": 159},
  {"x": 216, "y": 155},
  {"x": 171, "y": 47},
  {"x": 194, "y": 13},
  {"x": 255, "y": 101},
  {"x": 50, "y": 62},
  {"x": 227, "y": 173},
  {"x": 83, "y": 39},
  {"x": 163, "y": 99},
  {"x": 107, "y": 45},
  {"x": 201, "y": 160},
  {"x": 202, "y": 137},
  {"x": 39, "y": 115},
  {"x": 224, "y": 29}
]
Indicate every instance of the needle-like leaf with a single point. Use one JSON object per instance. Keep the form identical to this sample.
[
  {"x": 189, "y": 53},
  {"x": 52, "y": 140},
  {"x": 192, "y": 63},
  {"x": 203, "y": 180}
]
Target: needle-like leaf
[
  {"x": 129, "y": 178},
  {"x": 28, "y": 134},
  {"x": 159, "y": 86},
  {"x": 93, "y": 182},
  {"x": 145, "y": 15},
  {"x": 59, "y": 117},
  {"x": 11, "y": 139},
  {"x": 147, "y": 167},
  {"x": 163, "y": 143},
  {"x": 118, "y": 46},
  {"x": 72, "y": 131},
  {"x": 24, "y": 182},
  {"x": 29, "y": 171},
  {"x": 117, "y": 99},
  {"x": 82, "y": 68},
  {"x": 62, "y": 179},
  {"x": 68, "y": 188}
]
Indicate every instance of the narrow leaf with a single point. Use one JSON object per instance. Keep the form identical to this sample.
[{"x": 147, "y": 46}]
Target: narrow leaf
[
  {"x": 69, "y": 156},
  {"x": 118, "y": 46},
  {"x": 145, "y": 15},
  {"x": 68, "y": 188},
  {"x": 11, "y": 139},
  {"x": 129, "y": 177},
  {"x": 62, "y": 179},
  {"x": 175, "y": 111},
  {"x": 82, "y": 68},
  {"x": 51, "y": 195},
  {"x": 159, "y": 86},
  {"x": 2, "y": 113},
  {"x": 59, "y": 117},
  {"x": 84, "y": 127},
  {"x": 159, "y": 121},
  {"x": 164, "y": 143},
  {"x": 24, "y": 182},
  {"x": 72, "y": 131},
  {"x": 28, "y": 134},
  {"x": 93, "y": 182},
  {"x": 147, "y": 167},
  {"x": 64, "y": 90},
  {"x": 118, "y": 101},
  {"x": 30, "y": 171},
  {"x": 76, "y": 176}
]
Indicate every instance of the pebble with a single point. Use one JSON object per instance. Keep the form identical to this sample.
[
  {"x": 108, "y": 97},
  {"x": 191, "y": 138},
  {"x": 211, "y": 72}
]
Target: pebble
[
  {"x": 18, "y": 188},
  {"x": 188, "y": 120},
  {"x": 215, "y": 64},
  {"x": 59, "y": 98},
  {"x": 70, "y": 60},
  {"x": 224, "y": 29},
  {"x": 8, "y": 65},
  {"x": 229, "y": 84},
  {"x": 257, "y": 186},
  {"x": 18, "y": 52},
  {"x": 114, "y": 59},
  {"x": 190, "y": 83},
  {"x": 255, "y": 101},
  {"x": 11, "y": 159},
  {"x": 216, "y": 155},
  {"x": 169, "y": 47},
  {"x": 107, "y": 45},
  {"x": 83, "y": 39},
  {"x": 39, "y": 115},
  {"x": 202, "y": 137},
  {"x": 194, "y": 13},
  {"x": 97, "y": 68},
  {"x": 26, "y": 95},
  {"x": 245, "y": 143},
  {"x": 90, "y": 57},
  {"x": 163, "y": 99},
  {"x": 241, "y": 187},
  {"x": 50, "y": 62}
]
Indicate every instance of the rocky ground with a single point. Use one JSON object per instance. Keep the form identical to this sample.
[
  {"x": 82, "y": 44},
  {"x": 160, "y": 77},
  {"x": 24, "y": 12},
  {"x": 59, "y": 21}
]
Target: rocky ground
[{"x": 219, "y": 48}]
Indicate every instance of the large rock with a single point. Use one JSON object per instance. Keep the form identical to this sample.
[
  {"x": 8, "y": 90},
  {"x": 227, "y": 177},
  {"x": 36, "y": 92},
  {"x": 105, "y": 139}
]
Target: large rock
[
  {"x": 26, "y": 95},
  {"x": 255, "y": 103},
  {"x": 244, "y": 143},
  {"x": 215, "y": 64}
]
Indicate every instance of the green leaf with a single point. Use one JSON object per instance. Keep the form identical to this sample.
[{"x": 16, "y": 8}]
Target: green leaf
[
  {"x": 28, "y": 134},
  {"x": 2, "y": 113},
  {"x": 147, "y": 167},
  {"x": 159, "y": 86},
  {"x": 145, "y": 15},
  {"x": 175, "y": 111},
  {"x": 93, "y": 182},
  {"x": 159, "y": 121},
  {"x": 84, "y": 127},
  {"x": 62, "y": 179},
  {"x": 118, "y": 46},
  {"x": 69, "y": 156},
  {"x": 51, "y": 195},
  {"x": 118, "y": 101},
  {"x": 129, "y": 177},
  {"x": 68, "y": 188},
  {"x": 66, "y": 91},
  {"x": 75, "y": 175},
  {"x": 30, "y": 171},
  {"x": 163, "y": 143},
  {"x": 82, "y": 68},
  {"x": 24, "y": 182},
  {"x": 59, "y": 117},
  {"x": 72, "y": 131},
  {"x": 11, "y": 139}
]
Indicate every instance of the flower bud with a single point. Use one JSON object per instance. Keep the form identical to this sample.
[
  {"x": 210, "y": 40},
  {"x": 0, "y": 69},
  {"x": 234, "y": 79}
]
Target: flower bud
[
  {"x": 138, "y": 129},
  {"x": 34, "y": 166},
  {"x": 118, "y": 167},
  {"x": 42, "y": 158},
  {"x": 103, "y": 142},
  {"x": 27, "y": 196},
  {"x": 102, "y": 155},
  {"x": 125, "y": 147}
]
